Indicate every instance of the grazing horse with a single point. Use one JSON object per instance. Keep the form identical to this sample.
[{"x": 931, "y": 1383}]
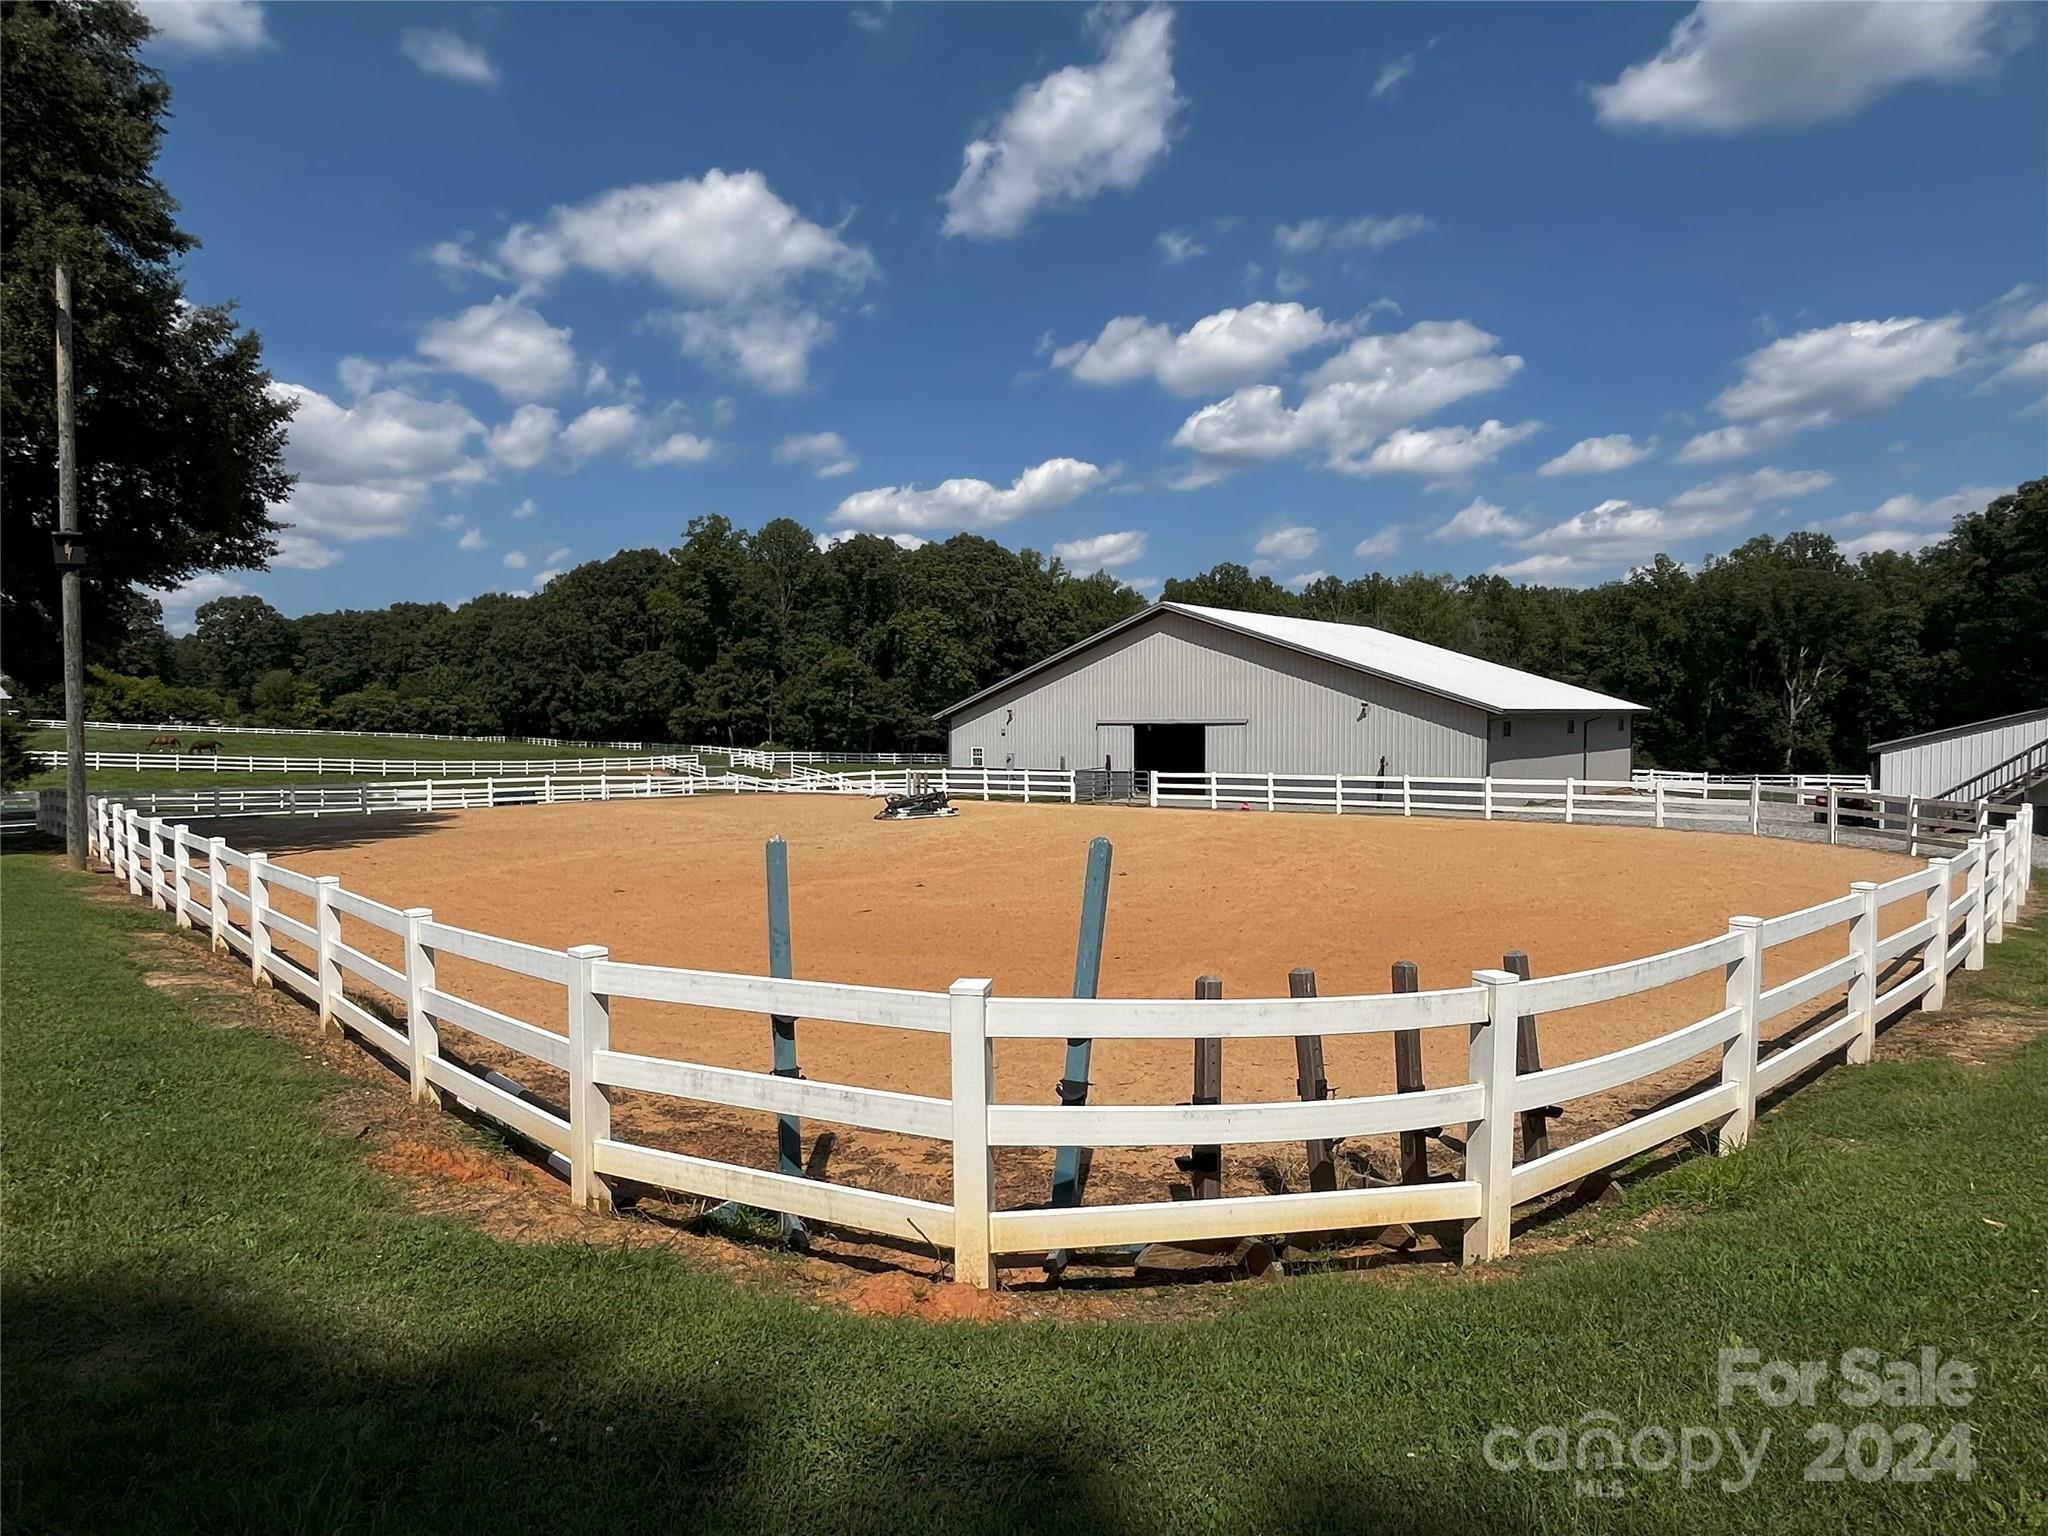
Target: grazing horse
[
  {"x": 210, "y": 744},
  {"x": 163, "y": 741}
]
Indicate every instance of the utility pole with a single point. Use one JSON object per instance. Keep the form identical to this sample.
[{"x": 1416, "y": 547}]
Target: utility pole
[{"x": 69, "y": 545}]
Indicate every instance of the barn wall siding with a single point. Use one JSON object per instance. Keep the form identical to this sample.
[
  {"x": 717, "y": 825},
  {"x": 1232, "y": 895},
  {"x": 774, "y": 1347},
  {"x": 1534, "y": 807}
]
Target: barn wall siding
[
  {"x": 1540, "y": 747},
  {"x": 1933, "y": 767},
  {"x": 1269, "y": 709}
]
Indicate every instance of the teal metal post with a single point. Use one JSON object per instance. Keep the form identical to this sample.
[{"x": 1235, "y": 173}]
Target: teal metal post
[{"x": 1070, "y": 1164}]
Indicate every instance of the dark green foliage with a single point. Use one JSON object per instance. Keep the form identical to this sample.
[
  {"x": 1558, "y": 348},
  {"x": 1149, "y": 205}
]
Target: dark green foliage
[
  {"x": 180, "y": 442},
  {"x": 15, "y": 767}
]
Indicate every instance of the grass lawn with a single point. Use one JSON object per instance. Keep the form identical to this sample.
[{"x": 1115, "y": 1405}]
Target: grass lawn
[{"x": 219, "y": 1317}]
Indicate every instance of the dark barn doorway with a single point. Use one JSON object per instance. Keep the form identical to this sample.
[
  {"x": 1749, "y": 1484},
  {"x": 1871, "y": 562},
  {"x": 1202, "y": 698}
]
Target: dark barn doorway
[{"x": 1168, "y": 749}]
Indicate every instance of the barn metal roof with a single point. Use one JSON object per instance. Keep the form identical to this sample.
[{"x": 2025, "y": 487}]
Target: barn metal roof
[{"x": 1452, "y": 674}]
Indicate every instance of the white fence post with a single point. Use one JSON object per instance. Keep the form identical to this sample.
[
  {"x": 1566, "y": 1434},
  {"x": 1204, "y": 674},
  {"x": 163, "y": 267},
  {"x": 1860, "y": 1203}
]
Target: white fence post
[
  {"x": 1490, "y": 1140},
  {"x": 1738, "y": 1056},
  {"x": 1567, "y": 802},
  {"x": 154, "y": 832},
  {"x": 2015, "y": 870},
  {"x": 1486, "y": 798},
  {"x": 1834, "y": 815},
  {"x": 1934, "y": 953},
  {"x": 974, "y": 1167},
  {"x": 1657, "y": 791},
  {"x": 1863, "y": 984},
  {"x": 117, "y": 843},
  {"x": 1756, "y": 808},
  {"x": 1152, "y": 789},
  {"x": 216, "y": 891},
  {"x": 181, "y": 875},
  {"x": 1912, "y": 826},
  {"x": 590, "y": 1103},
  {"x": 1994, "y": 886},
  {"x": 421, "y": 1035},
  {"x": 1980, "y": 854},
  {"x": 259, "y": 911},
  {"x": 326, "y": 935}
]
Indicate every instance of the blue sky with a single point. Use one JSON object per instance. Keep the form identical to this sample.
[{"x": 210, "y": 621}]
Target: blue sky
[{"x": 1536, "y": 289}]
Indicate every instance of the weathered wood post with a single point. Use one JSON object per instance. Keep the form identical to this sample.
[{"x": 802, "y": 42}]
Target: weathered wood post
[
  {"x": 326, "y": 937},
  {"x": 259, "y": 920},
  {"x": 1205, "y": 1164},
  {"x": 1934, "y": 953},
  {"x": 1408, "y": 1079},
  {"x": 1534, "y": 1120},
  {"x": 1863, "y": 984},
  {"x": 1070, "y": 1165},
  {"x": 1490, "y": 1140},
  {"x": 421, "y": 1035},
  {"x": 590, "y": 1102},
  {"x": 181, "y": 876},
  {"x": 1743, "y": 978},
  {"x": 1312, "y": 1085},
  {"x": 974, "y": 1168}
]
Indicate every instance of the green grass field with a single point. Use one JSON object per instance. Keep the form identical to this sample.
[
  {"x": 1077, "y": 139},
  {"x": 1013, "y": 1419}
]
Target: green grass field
[{"x": 218, "y": 1317}]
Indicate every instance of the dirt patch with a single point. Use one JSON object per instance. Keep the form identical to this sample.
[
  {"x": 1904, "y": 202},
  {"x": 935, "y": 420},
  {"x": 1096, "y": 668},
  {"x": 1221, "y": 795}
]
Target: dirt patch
[{"x": 894, "y": 1293}]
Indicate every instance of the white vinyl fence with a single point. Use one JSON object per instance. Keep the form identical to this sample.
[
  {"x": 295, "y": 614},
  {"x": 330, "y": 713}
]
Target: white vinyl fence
[
  {"x": 382, "y": 767},
  {"x": 1966, "y": 898},
  {"x": 1703, "y": 784},
  {"x": 194, "y": 727}
]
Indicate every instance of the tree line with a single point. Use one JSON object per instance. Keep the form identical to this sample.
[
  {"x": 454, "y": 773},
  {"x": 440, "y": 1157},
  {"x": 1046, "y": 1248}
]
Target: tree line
[{"x": 1783, "y": 655}]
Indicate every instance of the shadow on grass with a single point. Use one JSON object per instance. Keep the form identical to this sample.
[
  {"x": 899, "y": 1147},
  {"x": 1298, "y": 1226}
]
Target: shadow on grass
[{"x": 135, "y": 1404}]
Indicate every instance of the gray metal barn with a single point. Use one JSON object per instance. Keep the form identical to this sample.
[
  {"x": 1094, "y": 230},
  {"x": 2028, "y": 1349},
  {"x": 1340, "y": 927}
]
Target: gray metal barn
[
  {"x": 1179, "y": 688},
  {"x": 1984, "y": 758}
]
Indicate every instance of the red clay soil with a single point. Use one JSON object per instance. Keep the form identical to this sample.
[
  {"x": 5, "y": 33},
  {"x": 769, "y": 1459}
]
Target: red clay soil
[{"x": 996, "y": 892}]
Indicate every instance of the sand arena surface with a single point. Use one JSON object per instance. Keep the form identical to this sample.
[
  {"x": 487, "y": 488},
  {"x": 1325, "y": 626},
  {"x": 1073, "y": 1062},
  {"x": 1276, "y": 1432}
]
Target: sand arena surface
[{"x": 996, "y": 892}]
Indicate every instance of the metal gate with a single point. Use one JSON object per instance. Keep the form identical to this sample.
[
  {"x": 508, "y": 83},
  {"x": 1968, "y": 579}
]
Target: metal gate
[{"x": 1104, "y": 784}]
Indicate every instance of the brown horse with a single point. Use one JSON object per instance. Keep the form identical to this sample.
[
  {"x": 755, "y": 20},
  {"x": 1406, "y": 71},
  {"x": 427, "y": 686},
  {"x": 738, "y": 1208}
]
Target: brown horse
[
  {"x": 163, "y": 741},
  {"x": 209, "y": 744}
]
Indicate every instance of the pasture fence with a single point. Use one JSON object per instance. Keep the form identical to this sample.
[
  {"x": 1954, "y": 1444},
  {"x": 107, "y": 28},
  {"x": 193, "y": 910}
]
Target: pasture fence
[
  {"x": 302, "y": 730},
  {"x": 210, "y": 762},
  {"x": 1964, "y": 899},
  {"x": 1703, "y": 784}
]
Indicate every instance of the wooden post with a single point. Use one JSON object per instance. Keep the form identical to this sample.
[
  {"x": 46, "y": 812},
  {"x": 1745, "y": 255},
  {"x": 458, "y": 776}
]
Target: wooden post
[
  {"x": 1312, "y": 1085},
  {"x": 590, "y": 1103},
  {"x": 974, "y": 1169},
  {"x": 326, "y": 935},
  {"x": 1756, "y": 803},
  {"x": 216, "y": 890},
  {"x": 1743, "y": 977},
  {"x": 181, "y": 876},
  {"x": 1657, "y": 791},
  {"x": 1205, "y": 1164},
  {"x": 1834, "y": 815},
  {"x": 1863, "y": 984},
  {"x": 1490, "y": 1140},
  {"x": 259, "y": 924},
  {"x": 1934, "y": 953},
  {"x": 1535, "y": 1120},
  {"x": 421, "y": 1034},
  {"x": 1070, "y": 1165},
  {"x": 1408, "y": 1079},
  {"x": 1912, "y": 826},
  {"x": 1568, "y": 802}
]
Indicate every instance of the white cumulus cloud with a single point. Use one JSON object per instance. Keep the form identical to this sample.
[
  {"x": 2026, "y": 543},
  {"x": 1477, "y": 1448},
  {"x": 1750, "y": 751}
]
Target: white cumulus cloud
[
  {"x": 1447, "y": 454},
  {"x": 1836, "y": 373},
  {"x": 677, "y": 448},
  {"x": 526, "y": 438},
  {"x": 507, "y": 345},
  {"x": 768, "y": 345},
  {"x": 1371, "y": 232},
  {"x": 207, "y": 26},
  {"x": 1230, "y": 347},
  {"x": 963, "y": 503},
  {"x": 1176, "y": 247},
  {"x": 1599, "y": 455},
  {"x": 601, "y": 429},
  {"x": 1102, "y": 551},
  {"x": 1077, "y": 132},
  {"x": 1481, "y": 519},
  {"x": 440, "y": 52},
  {"x": 1286, "y": 544},
  {"x": 1736, "y": 64},
  {"x": 824, "y": 453}
]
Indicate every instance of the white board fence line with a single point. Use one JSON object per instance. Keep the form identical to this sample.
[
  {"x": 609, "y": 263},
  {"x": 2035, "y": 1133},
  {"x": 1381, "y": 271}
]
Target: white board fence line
[
  {"x": 384, "y": 767},
  {"x": 1702, "y": 783},
  {"x": 1967, "y": 899},
  {"x": 190, "y": 726}
]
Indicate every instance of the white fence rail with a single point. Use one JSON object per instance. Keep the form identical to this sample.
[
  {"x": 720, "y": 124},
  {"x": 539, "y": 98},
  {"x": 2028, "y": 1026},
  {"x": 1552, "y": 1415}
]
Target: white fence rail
[
  {"x": 1704, "y": 783},
  {"x": 192, "y": 726},
  {"x": 383, "y": 767},
  {"x": 1966, "y": 900}
]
